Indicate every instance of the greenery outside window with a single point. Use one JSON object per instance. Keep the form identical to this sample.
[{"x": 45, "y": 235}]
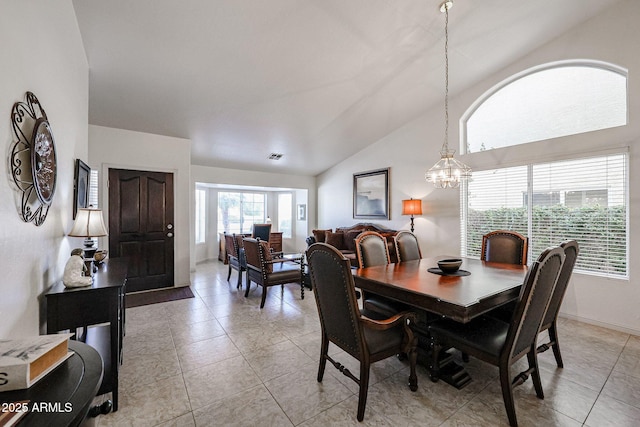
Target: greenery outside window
[
  {"x": 582, "y": 199},
  {"x": 238, "y": 211}
]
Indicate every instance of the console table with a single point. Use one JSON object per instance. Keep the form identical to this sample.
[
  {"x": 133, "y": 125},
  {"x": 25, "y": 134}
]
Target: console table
[
  {"x": 87, "y": 307},
  {"x": 65, "y": 394}
]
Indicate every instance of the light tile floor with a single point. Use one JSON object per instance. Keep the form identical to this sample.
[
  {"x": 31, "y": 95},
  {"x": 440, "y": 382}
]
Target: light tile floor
[{"x": 219, "y": 360}]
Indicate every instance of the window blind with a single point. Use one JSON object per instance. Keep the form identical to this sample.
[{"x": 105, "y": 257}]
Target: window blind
[{"x": 582, "y": 199}]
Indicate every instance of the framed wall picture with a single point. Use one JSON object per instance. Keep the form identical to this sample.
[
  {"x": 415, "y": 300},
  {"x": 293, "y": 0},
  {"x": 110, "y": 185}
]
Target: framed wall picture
[
  {"x": 371, "y": 194},
  {"x": 302, "y": 212},
  {"x": 80, "y": 186}
]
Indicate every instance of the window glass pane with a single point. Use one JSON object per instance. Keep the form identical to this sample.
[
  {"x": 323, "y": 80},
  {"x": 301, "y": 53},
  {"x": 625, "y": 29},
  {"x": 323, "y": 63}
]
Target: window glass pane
[
  {"x": 237, "y": 212},
  {"x": 549, "y": 103},
  {"x": 591, "y": 209},
  {"x": 201, "y": 215},
  {"x": 497, "y": 200},
  {"x": 285, "y": 214},
  {"x": 582, "y": 199}
]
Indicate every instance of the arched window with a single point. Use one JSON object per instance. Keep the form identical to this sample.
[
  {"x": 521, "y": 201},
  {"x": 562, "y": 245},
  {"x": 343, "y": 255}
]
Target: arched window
[{"x": 549, "y": 101}]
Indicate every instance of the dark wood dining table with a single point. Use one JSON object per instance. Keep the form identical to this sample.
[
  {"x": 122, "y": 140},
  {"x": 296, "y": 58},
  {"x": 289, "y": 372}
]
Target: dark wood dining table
[{"x": 458, "y": 297}]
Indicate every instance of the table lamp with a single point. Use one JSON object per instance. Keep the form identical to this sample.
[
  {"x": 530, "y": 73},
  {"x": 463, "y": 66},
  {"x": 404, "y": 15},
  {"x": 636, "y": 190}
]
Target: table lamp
[
  {"x": 412, "y": 207},
  {"x": 88, "y": 223}
]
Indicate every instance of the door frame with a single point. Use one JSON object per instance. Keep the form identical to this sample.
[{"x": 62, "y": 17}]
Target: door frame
[{"x": 179, "y": 228}]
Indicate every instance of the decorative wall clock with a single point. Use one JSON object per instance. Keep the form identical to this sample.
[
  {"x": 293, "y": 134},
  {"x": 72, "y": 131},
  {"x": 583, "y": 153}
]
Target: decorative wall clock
[{"x": 33, "y": 159}]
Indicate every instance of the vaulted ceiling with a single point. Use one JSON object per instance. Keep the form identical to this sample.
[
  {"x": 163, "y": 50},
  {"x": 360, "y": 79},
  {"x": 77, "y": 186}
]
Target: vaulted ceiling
[{"x": 314, "y": 80}]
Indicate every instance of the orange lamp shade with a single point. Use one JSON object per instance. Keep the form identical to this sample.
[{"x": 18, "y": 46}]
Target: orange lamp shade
[{"x": 412, "y": 207}]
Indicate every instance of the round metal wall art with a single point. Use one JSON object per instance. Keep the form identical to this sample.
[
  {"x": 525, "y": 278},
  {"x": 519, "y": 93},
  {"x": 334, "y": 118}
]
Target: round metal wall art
[{"x": 33, "y": 159}]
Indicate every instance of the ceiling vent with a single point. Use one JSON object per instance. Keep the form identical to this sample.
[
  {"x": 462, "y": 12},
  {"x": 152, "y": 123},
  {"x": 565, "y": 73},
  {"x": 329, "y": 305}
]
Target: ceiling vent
[{"x": 275, "y": 156}]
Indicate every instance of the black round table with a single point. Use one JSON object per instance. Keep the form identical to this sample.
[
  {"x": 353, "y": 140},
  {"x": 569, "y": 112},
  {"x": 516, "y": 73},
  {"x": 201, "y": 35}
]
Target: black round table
[{"x": 63, "y": 396}]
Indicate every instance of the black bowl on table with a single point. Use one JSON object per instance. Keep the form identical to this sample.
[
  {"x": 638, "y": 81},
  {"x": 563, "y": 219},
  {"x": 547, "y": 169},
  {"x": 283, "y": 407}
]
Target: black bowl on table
[{"x": 449, "y": 265}]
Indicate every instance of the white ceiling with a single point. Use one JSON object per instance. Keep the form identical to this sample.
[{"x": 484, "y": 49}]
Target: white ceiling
[{"x": 315, "y": 80}]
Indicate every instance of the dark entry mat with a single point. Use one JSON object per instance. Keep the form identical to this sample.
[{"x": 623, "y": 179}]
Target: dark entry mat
[{"x": 154, "y": 297}]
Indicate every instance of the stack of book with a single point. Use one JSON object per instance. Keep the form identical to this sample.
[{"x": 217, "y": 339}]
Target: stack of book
[{"x": 23, "y": 362}]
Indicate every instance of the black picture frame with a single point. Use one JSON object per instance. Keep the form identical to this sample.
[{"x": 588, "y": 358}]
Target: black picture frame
[
  {"x": 82, "y": 175},
  {"x": 371, "y": 194}
]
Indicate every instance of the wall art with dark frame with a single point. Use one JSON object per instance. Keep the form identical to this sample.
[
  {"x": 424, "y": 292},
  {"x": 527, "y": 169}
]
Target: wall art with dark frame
[
  {"x": 80, "y": 186},
  {"x": 371, "y": 194}
]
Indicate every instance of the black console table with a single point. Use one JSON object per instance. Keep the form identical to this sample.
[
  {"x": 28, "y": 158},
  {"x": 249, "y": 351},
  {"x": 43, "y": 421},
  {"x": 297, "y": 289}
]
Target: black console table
[
  {"x": 64, "y": 395},
  {"x": 86, "y": 307}
]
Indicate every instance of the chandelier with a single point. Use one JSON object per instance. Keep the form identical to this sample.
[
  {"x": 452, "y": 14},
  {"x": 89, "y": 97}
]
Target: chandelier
[{"x": 447, "y": 172}]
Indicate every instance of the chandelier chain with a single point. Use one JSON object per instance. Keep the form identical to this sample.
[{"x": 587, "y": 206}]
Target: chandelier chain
[{"x": 445, "y": 145}]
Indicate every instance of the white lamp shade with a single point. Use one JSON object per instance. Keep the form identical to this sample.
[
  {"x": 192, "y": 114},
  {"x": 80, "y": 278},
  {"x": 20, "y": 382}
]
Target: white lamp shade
[{"x": 88, "y": 223}]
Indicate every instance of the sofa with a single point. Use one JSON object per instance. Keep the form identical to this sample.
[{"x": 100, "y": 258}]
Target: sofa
[{"x": 343, "y": 239}]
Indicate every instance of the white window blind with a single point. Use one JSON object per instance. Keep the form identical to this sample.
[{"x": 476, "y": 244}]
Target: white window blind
[{"x": 581, "y": 199}]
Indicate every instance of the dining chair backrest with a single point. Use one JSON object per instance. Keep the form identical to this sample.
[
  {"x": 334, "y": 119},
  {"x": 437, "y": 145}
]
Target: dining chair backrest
[
  {"x": 407, "y": 247},
  {"x": 371, "y": 249},
  {"x": 334, "y": 289},
  {"x": 571, "y": 250},
  {"x": 256, "y": 254},
  {"x": 229, "y": 245},
  {"x": 530, "y": 310},
  {"x": 261, "y": 231},
  {"x": 509, "y": 247}
]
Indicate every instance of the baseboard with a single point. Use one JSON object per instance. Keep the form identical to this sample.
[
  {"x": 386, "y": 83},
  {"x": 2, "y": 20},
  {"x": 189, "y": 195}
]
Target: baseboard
[{"x": 601, "y": 324}]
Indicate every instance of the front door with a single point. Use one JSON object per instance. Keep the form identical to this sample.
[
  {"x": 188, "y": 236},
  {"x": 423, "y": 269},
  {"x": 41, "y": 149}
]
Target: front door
[{"x": 141, "y": 226}]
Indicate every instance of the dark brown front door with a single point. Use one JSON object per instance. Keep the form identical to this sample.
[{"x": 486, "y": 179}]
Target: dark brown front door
[{"x": 141, "y": 226}]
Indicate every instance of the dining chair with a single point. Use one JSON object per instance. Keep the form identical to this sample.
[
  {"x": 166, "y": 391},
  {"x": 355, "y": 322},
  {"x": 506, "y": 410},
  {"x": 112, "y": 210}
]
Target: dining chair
[
  {"x": 372, "y": 250},
  {"x": 235, "y": 256},
  {"x": 509, "y": 247},
  {"x": 261, "y": 231},
  {"x": 550, "y": 322},
  {"x": 365, "y": 335},
  {"x": 407, "y": 247},
  {"x": 266, "y": 270},
  {"x": 500, "y": 343}
]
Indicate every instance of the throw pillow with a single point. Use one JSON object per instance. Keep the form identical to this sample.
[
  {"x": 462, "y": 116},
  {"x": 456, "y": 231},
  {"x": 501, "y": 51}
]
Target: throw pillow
[
  {"x": 267, "y": 256},
  {"x": 350, "y": 239},
  {"x": 335, "y": 239},
  {"x": 320, "y": 235}
]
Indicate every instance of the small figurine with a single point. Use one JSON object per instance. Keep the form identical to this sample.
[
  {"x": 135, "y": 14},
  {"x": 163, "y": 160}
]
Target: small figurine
[{"x": 73, "y": 272}]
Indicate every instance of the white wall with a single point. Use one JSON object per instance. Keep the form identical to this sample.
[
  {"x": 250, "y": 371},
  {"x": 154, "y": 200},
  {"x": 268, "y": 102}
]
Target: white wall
[
  {"x": 42, "y": 52},
  {"x": 123, "y": 149},
  {"x": 411, "y": 150},
  {"x": 235, "y": 177}
]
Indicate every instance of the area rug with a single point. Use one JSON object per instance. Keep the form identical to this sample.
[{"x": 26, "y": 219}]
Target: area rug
[{"x": 154, "y": 297}]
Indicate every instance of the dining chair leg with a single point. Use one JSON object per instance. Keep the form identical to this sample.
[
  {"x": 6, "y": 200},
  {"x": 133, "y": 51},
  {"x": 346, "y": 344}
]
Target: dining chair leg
[
  {"x": 364, "y": 388},
  {"x": 507, "y": 395},
  {"x": 248, "y": 285},
  {"x": 413, "y": 360},
  {"x": 239, "y": 285},
  {"x": 553, "y": 337},
  {"x": 324, "y": 349},
  {"x": 532, "y": 357},
  {"x": 264, "y": 296},
  {"x": 229, "y": 275}
]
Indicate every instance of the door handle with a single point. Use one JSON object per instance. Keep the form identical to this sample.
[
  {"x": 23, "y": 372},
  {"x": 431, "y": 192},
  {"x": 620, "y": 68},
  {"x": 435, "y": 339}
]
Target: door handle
[{"x": 169, "y": 234}]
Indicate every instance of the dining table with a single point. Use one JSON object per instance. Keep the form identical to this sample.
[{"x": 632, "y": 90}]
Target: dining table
[{"x": 476, "y": 288}]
